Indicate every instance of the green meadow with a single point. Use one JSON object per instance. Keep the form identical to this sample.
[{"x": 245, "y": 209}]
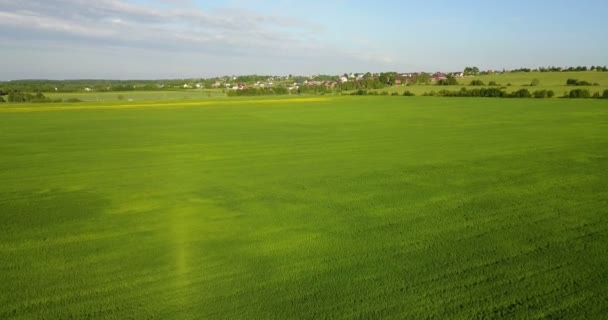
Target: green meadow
[
  {"x": 188, "y": 94},
  {"x": 308, "y": 208},
  {"x": 513, "y": 81}
]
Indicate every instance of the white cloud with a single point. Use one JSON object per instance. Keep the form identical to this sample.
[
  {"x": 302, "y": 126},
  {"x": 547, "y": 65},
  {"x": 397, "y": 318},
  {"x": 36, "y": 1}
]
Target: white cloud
[
  {"x": 118, "y": 20},
  {"x": 228, "y": 34}
]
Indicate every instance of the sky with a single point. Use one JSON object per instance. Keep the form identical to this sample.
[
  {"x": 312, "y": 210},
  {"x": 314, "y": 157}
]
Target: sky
[{"x": 161, "y": 39}]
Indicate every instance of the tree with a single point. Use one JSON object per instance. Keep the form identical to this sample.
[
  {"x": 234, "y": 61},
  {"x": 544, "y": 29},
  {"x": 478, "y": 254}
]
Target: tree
[
  {"x": 1, "y": 99},
  {"x": 605, "y": 94},
  {"x": 521, "y": 93},
  {"x": 579, "y": 93},
  {"x": 471, "y": 71},
  {"x": 571, "y": 82},
  {"x": 449, "y": 81},
  {"x": 540, "y": 94},
  {"x": 534, "y": 82},
  {"x": 477, "y": 83}
]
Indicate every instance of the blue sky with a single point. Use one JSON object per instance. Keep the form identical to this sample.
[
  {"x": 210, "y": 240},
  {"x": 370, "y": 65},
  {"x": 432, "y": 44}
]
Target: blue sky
[{"x": 134, "y": 39}]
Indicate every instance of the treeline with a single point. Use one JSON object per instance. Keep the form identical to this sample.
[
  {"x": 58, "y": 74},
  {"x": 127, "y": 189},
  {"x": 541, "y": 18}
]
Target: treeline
[
  {"x": 382, "y": 93},
  {"x": 560, "y": 69},
  {"x": 584, "y": 94},
  {"x": 492, "y": 93},
  {"x": 575, "y": 82},
  {"x": 23, "y": 97},
  {"x": 368, "y": 81},
  {"x": 275, "y": 91},
  {"x": 20, "y": 97},
  {"x": 315, "y": 89},
  {"x": 521, "y": 93},
  {"x": 248, "y": 92},
  {"x": 92, "y": 85}
]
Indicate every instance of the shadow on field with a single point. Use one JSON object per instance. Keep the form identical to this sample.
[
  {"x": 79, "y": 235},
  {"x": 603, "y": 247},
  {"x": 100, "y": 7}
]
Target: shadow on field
[{"x": 49, "y": 209}]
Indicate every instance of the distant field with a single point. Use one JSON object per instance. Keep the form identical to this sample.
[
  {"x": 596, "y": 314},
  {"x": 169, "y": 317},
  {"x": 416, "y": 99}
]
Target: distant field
[
  {"x": 138, "y": 95},
  {"x": 321, "y": 208},
  {"x": 555, "y": 81}
]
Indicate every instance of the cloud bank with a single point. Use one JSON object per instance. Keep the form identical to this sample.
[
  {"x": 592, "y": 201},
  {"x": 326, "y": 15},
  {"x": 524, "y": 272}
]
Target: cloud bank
[{"x": 174, "y": 27}]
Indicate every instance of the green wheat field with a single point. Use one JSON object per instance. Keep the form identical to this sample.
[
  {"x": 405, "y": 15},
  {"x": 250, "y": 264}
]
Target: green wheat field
[{"x": 305, "y": 208}]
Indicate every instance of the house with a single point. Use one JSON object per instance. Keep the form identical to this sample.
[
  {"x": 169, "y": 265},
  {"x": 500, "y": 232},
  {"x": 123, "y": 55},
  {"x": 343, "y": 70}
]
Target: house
[
  {"x": 438, "y": 76},
  {"x": 343, "y": 79}
]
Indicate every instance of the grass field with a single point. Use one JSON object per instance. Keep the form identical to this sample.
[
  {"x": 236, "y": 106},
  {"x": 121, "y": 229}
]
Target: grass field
[
  {"x": 555, "y": 81},
  {"x": 139, "y": 95},
  {"x": 330, "y": 207}
]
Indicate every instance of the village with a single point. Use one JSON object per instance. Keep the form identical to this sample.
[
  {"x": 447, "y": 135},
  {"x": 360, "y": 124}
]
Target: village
[{"x": 343, "y": 80}]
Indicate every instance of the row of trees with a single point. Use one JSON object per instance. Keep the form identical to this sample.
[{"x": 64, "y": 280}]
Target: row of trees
[
  {"x": 19, "y": 97},
  {"x": 93, "y": 85},
  {"x": 316, "y": 89},
  {"x": 22, "y": 97},
  {"x": 406, "y": 93},
  {"x": 584, "y": 93},
  {"x": 584, "y": 68},
  {"x": 258, "y": 92},
  {"x": 575, "y": 82},
  {"x": 560, "y": 69},
  {"x": 484, "y": 92},
  {"x": 522, "y": 93}
]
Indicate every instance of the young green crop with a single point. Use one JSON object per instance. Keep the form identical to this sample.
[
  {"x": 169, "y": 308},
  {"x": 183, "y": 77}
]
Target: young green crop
[{"x": 331, "y": 207}]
